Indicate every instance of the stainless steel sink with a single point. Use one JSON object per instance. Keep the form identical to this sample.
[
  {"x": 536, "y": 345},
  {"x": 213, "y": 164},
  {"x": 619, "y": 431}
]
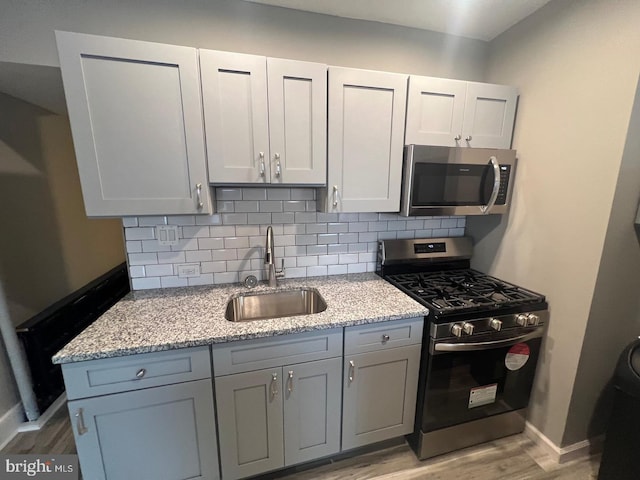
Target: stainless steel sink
[{"x": 245, "y": 307}]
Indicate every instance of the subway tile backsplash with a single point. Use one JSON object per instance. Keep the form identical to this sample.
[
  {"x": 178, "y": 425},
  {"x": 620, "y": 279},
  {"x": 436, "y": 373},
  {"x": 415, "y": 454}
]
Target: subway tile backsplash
[{"x": 229, "y": 245}]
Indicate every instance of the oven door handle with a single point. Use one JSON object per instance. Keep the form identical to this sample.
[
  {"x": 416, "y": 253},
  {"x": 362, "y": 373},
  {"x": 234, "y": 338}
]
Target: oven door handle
[
  {"x": 496, "y": 186},
  {"x": 466, "y": 347}
]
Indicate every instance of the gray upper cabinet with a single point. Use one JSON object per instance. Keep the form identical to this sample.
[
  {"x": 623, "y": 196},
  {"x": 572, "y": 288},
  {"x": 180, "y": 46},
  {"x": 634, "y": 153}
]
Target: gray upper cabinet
[
  {"x": 366, "y": 135},
  {"x": 265, "y": 119},
  {"x": 455, "y": 113},
  {"x": 381, "y": 366},
  {"x": 136, "y": 118}
]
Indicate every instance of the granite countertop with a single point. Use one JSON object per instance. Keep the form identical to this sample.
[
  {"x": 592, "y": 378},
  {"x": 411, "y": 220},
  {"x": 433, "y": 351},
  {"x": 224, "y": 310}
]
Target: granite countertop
[{"x": 155, "y": 320}]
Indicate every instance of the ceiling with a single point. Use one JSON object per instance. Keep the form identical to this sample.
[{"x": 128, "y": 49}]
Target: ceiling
[{"x": 479, "y": 19}]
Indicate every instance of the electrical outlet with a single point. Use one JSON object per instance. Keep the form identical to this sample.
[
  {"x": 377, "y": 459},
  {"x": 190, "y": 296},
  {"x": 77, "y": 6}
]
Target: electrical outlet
[
  {"x": 188, "y": 270},
  {"x": 167, "y": 234}
]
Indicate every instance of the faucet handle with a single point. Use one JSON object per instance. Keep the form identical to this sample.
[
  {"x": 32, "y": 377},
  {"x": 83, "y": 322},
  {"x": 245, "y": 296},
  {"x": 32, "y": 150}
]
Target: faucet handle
[{"x": 280, "y": 273}]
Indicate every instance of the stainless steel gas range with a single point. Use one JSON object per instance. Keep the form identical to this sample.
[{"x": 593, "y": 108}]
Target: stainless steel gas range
[{"x": 480, "y": 348}]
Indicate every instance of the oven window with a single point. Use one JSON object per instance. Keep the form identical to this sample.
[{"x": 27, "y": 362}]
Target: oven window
[
  {"x": 464, "y": 386},
  {"x": 442, "y": 184}
]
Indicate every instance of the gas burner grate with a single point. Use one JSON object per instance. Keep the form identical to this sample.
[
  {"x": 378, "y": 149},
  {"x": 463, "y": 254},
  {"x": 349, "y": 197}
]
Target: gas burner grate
[{"x": 456, "y": 291}]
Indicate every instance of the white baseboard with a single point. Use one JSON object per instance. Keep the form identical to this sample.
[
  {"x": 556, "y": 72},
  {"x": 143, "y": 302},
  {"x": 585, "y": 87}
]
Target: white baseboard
[
  {"x": 44, "y": 417},
  {"x": 563, "y": 454},
  {"x": 9, "y": 424}
]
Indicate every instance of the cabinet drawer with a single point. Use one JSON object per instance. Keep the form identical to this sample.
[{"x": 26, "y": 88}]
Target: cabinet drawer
[
  {"x": 245, "y": 356},
  {"x": 134, "y": 372},
  {"x": 379, "y": 336}
]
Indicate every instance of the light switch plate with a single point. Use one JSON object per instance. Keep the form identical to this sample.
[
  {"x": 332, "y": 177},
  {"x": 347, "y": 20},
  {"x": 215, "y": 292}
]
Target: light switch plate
[
  {"x": 189, "y": 270},
  {"x": 167, "y": 234}
]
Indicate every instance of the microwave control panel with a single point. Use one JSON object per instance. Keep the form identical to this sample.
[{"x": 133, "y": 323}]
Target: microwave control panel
[{"x": 505, "y": 173}]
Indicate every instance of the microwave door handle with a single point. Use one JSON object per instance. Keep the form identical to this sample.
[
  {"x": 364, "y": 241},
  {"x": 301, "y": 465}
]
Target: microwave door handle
[
  {"x": 474, "y": 346},
  {"x": 496, "y": 186}
]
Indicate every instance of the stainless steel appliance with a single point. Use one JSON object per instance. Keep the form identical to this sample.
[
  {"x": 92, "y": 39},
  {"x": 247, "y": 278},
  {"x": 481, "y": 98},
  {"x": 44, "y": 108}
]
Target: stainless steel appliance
[
  {"x": 480, "y": 348},
  {"x": 456, "y": 181}
]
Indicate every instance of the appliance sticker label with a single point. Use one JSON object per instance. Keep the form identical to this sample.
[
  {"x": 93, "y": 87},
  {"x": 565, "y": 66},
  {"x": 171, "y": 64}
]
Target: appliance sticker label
[
  {"x": 483, "y": 395},
  {"x": 517, "y": 356}
]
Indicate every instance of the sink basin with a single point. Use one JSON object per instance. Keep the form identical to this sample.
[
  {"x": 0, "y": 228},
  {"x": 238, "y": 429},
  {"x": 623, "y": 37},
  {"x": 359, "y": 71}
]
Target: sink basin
[{"x": 246, "y": 307}]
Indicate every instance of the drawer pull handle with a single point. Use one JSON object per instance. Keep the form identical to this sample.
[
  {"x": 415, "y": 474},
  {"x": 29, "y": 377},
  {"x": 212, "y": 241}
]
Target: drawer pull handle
[
  {"x": 82, "y": 429},
  {"x": 199, "y": 203},
  {"x": 352, "y": 371},
  {"x": 273, "y": 388},
  {"x": 141, "y": 373},
  {"x": 385, "y": 338},
  {"x": 278, "y": 167},
  {"x": 290, "y": 382}
]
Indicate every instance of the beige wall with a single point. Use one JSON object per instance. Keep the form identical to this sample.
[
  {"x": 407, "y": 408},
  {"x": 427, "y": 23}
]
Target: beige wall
[
  {"x": 614, "y": 319},
  {"x": 27, "y": 34},
  {"x": 48, "y": 247},
  {"x": 576, "y": 64}
]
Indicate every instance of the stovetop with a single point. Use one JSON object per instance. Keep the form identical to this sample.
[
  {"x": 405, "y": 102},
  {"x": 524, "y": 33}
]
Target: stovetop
[
  {"x": 436, "y": 272},
  {"x": 463, "y": 291}
]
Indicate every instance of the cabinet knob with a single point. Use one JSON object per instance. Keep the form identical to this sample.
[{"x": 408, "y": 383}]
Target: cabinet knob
[
  {"x": 385, "y": 338},
  {"x": 457, "y": 137},
  {"x": 141, "y": 373},
  {"x": 469, "y": 138}
]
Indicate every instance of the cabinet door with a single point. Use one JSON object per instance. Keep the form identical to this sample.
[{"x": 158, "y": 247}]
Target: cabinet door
[
  {"x": 379, "y": 395},
  {"x": 366, "y": 138},
  {"x": 489, "y": 115},
  {"x": 297, "y": 122},
  {"x": 312, "y": 410},
  {"x": 249, "y": 408},
  {"x": 234, "y": 92},
  {"x": 162, "y": 433},
  {"x": 435, "y": 110},
  {"x": 136, "y": 118}
]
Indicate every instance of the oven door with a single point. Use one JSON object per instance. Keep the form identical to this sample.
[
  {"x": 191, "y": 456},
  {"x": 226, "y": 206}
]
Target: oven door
[{"x": 471, "y": 380}]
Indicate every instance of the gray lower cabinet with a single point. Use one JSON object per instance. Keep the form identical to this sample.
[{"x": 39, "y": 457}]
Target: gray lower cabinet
[
  {"x": 277, "y": 417},
  {"x": 380, "y": 385},
  {"x": 312, "y": 410},
  {"x": 278, "y": 401},
  {"x": 144, "y": 417},
  {"x": 249, "y": 408},
  {"x": 160, "y": 433}
]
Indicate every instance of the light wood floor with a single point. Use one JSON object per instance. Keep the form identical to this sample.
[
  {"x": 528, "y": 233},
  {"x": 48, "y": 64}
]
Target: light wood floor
[{"x": 511, "y": 458}]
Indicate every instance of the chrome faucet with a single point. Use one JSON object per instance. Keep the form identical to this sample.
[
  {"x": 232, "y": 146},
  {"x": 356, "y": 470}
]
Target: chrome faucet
[{"x": 269, "y": 259}]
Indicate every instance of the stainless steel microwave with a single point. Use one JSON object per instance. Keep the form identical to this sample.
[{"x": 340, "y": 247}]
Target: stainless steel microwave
[{"x": 456, "y": 181}]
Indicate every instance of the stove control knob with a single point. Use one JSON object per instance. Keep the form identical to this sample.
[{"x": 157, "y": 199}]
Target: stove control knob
[
  {"x": 456, "y": 329},
  {"x": 522, "y": 320},
  {"x": 467, "y": 328},
  {"x": 495, "y": 324},
  {"x": 533, "y": 320}
]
